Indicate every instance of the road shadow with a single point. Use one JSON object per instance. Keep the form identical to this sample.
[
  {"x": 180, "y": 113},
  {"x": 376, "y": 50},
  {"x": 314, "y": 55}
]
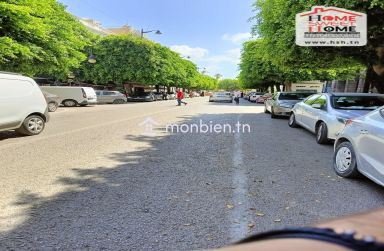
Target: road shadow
[
  {"x": 10, "y": 135},
  {"x": 173, "y": 194}
]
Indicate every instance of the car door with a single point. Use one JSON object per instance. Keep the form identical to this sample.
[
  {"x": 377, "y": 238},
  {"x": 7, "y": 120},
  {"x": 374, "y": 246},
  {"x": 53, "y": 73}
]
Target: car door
[
  {"x": 370, "y": 144},
  {"x": 14, "y": 97},
  {"x": 315, "y": 112},
  {"x": 99, "y": 95},
  {"x": 307, "y": 111},
  {"x": 109, "y": 96}
]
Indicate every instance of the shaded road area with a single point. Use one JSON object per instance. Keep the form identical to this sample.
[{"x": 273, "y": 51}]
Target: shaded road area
[{"x": 101, "y": 178}]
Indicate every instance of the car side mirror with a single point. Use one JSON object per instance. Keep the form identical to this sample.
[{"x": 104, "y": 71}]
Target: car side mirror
[{"x": 317, "y": 106}]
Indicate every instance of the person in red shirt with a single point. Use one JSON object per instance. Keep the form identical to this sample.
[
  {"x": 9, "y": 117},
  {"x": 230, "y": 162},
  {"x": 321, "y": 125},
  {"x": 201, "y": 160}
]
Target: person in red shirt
[{"x": 180, "y": 96}]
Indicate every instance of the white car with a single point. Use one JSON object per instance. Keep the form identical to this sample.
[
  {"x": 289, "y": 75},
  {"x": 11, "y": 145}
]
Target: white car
[
  {"x": 221, "y": 97},
  {"x": 73, "y": 96},
  {"x": 254, "y": 96},
  {"x": 359, "y": 148},
  {"x": 171, "y": 95},
  {"x": 22, "y": 105},
  {"x": 325, "y": 114}
]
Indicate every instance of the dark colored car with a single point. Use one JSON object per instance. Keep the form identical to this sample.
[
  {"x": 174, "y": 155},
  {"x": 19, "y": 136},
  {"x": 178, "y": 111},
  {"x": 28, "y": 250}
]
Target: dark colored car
[{"x": 141, "y": 96}]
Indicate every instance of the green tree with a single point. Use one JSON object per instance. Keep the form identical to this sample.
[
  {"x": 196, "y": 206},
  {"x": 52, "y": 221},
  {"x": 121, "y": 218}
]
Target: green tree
[
  {"x": 229, "y": 84},
  {"x": 39, "y": 37},
  {"x": 205, "y": 82},
  {"x": 275, "y": 23},
  {"x": 128, "y": 58}
]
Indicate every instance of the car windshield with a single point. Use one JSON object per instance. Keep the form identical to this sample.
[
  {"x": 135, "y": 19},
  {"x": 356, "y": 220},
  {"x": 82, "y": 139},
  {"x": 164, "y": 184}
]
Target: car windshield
[
  {"x": 293, "y": 96},
  {"x": 357, "y": 102}
]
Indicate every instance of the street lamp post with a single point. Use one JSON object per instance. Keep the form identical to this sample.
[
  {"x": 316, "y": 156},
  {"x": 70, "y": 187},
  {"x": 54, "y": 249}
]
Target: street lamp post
[
  {"x": 157, "y": 32},
  {"x": 91, "y": 57},
  {"x": 202, "y": 70}
]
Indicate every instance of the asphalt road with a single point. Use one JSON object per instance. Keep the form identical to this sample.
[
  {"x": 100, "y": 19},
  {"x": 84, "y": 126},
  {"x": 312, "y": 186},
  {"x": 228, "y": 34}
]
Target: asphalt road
[{"x": 112, "y": 177}]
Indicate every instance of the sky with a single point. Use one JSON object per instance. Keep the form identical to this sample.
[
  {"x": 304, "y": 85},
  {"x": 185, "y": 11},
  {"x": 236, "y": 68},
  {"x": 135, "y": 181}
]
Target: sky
[{"x": 210, "y": 32}]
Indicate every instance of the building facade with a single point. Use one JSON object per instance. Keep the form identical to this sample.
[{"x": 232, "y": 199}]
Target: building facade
[{"x": 97, "y": 28}]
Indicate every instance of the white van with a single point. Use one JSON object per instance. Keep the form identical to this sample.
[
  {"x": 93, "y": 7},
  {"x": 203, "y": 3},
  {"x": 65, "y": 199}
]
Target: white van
[
  {"x": 22, "y": 105},
  {"x": 73, "y": 96}
]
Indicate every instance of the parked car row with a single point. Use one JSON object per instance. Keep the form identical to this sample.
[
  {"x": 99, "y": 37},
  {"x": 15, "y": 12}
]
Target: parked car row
[
  {"x": 25, "y": 105},
  {"x": 354, "y": 121},
  {"x": 154, "y": 96},
  {"x": 257, "y": 97}
]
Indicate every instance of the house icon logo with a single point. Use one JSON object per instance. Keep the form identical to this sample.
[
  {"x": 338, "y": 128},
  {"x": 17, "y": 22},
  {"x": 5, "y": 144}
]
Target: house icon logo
[
  {"x": 331, "y": 26},
  {"x": 148, "y": 124}
]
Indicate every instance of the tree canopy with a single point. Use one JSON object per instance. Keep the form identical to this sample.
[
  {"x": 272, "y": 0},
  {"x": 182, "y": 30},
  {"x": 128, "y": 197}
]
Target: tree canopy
[
  {"x": 229, "y": 84},
  {"x": 129, "y": 58},
  {"x": 275, "y": 24},
  {"x": 257, "y": 70},
  {"x": 39, "y": 37}
]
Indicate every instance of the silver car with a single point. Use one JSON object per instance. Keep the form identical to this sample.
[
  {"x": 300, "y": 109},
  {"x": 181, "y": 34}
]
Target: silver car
[
  {"x": 325, "y": 114},
  {"x": 281, "y": 103},
  {"x": 110, "y": 97},
  {"x": 359, "y": 147},
  {"x": 221, "y": 97}
]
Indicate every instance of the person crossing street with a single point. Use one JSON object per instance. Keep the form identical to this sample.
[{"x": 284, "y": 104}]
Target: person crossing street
[{"x": 180, "y": 96}]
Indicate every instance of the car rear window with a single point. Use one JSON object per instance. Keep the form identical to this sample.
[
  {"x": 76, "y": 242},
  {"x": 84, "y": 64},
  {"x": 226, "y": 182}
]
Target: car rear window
[
  {"x": 357, "y": 102},
  {"x": 222, "y": 94}
]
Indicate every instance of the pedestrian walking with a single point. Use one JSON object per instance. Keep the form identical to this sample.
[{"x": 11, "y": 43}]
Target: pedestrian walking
[
  {"x": 237, "y": 95},
  {"x": 180, "y": 96}
]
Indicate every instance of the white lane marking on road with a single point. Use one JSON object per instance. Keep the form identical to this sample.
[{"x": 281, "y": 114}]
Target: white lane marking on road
[{"x": 240, "y": 199}]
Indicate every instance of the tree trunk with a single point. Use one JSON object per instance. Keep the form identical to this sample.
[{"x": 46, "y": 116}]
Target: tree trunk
[
  {"x": 373, "y": 80},
  {"x": 375, "y": 71}
]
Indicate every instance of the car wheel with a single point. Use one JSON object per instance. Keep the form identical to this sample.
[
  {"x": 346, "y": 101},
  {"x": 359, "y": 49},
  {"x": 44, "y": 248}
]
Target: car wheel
[
  {"x": 52, "y": 106},
  {"x": 118, "y": 101},
  {"x": 69, "y": 103},
  {"x": 32, "y": 125},
  {"x": 292, "y": 121},
  {"x": 322, "y": 133},
  {"x": 273, "y": 115},
  {"x": 344, "y": 161}
]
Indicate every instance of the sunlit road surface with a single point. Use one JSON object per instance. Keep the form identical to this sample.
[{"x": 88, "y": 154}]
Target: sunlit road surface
[{"x": 112, "y": 177}]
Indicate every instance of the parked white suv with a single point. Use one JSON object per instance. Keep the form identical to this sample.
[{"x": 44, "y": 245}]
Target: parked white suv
[
  {"x": 73, "y": 96},
  {"x": 22, "y": 105}
]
